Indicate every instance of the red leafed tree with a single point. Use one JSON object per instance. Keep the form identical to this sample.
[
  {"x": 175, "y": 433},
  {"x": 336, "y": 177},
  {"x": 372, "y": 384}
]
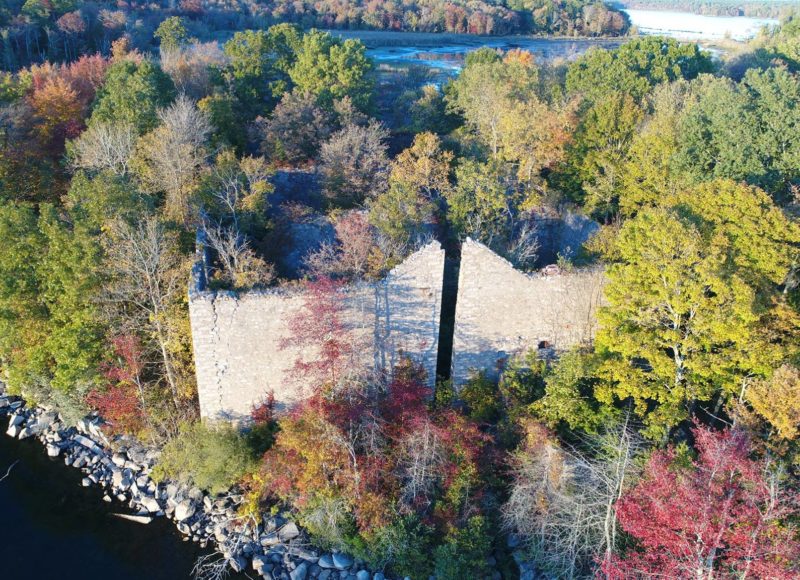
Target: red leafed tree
[
  {"x": 123, "y": 403},
  {"x": 724, "y": 515},
  {"x": 319, "y": 331}
]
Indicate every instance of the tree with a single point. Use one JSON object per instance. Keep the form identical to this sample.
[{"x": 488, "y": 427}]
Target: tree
[
  {"x": 487, "y": 86},
  {"x": 480, "y": 205},
  {"x": 743, "y": 132},
  {"x": 570, "y": 394},
  {"x": 259, "y": 66},
  {"x": 722, "y": 514},
  {"x": 355, "y": 255},
  {"x": 564, "y": 503},
  {"x": 104, "y": 146},
  {"x": 685, "y": 299},
  {"x": 172, "y": 33},
  {"x": 133, "y": 93},
  {"x": 320, "y": 326},
  {"x": 296, "y": 130},
  {"x": 635, "y": 67},
  {"x": 777, "y": 400},
  {"x": 241, "y": 267},
  {"x": 600, "y": 149},
  {"x": 170, "y": 158},
  {"x": 353, "y": 164},
  {"x": 23, "y": 316},
  {"x": 147, "y": 276},
  {"x": 330, "y": 69},
  {"x": 238, "y": 190}
]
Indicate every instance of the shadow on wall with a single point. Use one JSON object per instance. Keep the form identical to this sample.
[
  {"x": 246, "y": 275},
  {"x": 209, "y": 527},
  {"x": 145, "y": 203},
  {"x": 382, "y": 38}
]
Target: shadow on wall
[
  {"x": 237, "y": 339},
  {"x": 502, "y": 312}
]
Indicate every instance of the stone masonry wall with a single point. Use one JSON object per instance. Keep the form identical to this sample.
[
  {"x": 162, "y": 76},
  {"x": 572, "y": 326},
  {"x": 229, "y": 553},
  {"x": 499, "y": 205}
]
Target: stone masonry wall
[
  {"x": 501, "y": 311},
  {"x": 237, "y": 338}
]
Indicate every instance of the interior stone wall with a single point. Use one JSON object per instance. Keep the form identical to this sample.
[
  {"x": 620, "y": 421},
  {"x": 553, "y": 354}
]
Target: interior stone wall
[{"x": 501, "y": 311}]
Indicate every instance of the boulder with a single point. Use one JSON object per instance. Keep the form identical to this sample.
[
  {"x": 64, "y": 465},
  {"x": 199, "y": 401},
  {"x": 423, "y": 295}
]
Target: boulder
[
  {"x": 261, "y": 563},
  {"x": 184, "y": 510},
  {"x": 288, "y": 532},
  {"x": 326, "y": 561},
  {"x": 379, "y": 576},
  {"x": 150, "y": 504},
  {"x": 300, "y": 572},
  {"x": 16, "y": 420},
  {"x": 86, "y": 482},
  {"x": 342, "y": 561},
  {"x": 238, "y": 563},
  {"x": 53, "y": 450},
  {"x": 362, "y": 575},
  {"x": 120, "y": 481},
  {"x": 13, "y": 430},
  {"x": 26, "y": 432}
]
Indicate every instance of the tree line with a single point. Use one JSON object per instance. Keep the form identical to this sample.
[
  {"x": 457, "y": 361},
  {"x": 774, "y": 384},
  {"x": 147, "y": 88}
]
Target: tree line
[{"x": 34, "y": 31}]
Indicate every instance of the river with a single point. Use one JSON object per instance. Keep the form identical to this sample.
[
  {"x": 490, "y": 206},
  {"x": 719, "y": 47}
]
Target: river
[{"x": 54, "y": 528}]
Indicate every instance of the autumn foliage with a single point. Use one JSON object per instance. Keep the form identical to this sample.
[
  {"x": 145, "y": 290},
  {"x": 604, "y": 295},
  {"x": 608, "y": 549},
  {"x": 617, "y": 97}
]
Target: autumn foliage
[
  {"x": 355, "y": 461},
  {"x": 722, "y": 515}
]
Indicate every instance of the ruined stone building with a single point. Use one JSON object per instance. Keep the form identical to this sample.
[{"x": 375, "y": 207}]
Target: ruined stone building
[{"x": 499, "y": 312}]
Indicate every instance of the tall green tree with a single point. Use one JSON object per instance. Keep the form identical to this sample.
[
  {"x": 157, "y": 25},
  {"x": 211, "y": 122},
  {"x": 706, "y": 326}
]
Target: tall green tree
[
  {"x": 636, "y": 67},
  {"x": 133, "y": 93},
  {"x": 687, "y": 295},
  {"x": 331, "y": 69}
]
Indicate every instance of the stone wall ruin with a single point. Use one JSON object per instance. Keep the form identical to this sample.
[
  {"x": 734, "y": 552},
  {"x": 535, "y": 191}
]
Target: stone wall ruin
[
  {"x": 237, "y": 337},
  {"x": 502, "y": 312}
]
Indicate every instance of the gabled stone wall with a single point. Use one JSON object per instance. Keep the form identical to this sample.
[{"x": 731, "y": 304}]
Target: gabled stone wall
[
  {"x": 501, "y": 312},
  {"x": 237, "y": 337}
]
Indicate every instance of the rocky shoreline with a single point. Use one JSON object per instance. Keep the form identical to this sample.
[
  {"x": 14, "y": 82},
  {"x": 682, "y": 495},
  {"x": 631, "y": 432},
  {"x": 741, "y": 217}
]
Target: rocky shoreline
[{"x": 276, "y": 549}]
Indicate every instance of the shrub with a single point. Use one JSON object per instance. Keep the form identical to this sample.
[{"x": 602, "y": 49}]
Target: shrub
[
  {"x": 463, "y": 555},
  {"x": 482, "y": 397},
  {"x": 211, "y": 458}
]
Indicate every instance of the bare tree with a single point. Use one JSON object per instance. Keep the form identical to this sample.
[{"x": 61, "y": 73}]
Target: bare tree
[
  {"x": 146, "y": 277},
  {"x": 241, "y": 267},
  {"x": 104, "y": 146},
  {"x": 354, "y": 164},
  {"x": 190, "y": 66},
  {"x": 171, "y": 156},
  {"x": 241, "y": 185},
  {"x": 523, "y": 249},
  {"x": 422, "y": 454},
  {"x": 563, "y": 502}
]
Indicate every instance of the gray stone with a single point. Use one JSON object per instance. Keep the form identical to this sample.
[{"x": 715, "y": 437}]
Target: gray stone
[
  {"x": 86, "y": 482},
  {"x": 238, "y": 563},
  {"x": 150, "y": 504},
  {"x": 288, "y": 532},
  {"x": 184, "y": 510},
  {"x": 260, "y": 562},
  {"x": 16, "y": 420},
  {"x": 53, "y": 450},
  {"x": 379, "y": 576},
  {"x": 362, "y": 575},
  {"x": 26, "y": 432},
  {"x": 224, "y": 325},
  {"x": 326, "y": 561},
  {"x": 325, "y": 575},
  {"x": 300, "y": 572},
  {"x": 342, "y": 561},
  {"x": 13, "y": 430}
]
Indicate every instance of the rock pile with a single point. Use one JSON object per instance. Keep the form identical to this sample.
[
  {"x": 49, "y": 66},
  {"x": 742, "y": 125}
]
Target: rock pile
[{"x": 275, "y": 549}]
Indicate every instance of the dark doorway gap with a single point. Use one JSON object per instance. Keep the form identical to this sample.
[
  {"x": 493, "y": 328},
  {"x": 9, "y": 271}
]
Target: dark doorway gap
[{"x": 447, "y": 319}]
